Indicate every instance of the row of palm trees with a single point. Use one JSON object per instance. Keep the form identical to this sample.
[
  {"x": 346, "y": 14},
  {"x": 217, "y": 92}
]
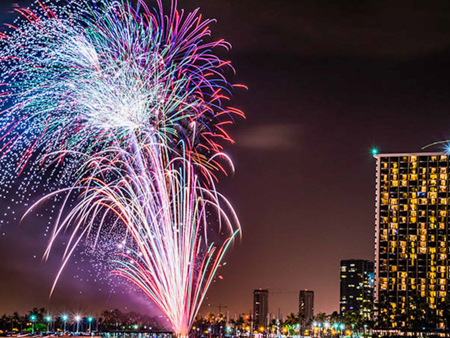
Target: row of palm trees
[
  {"x": 18, "y": 322},
  {"x": 39, "y": 320},
  {"x": 293, "y": 324}
]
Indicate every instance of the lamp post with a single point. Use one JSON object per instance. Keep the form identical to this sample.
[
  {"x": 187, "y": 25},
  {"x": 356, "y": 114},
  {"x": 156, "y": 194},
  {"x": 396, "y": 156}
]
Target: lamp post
[
  {"x": 77, "y": 319},
  {"x": 48, "y": 319},
  {"x": 342, "y": 329},
  {"x": 65, "y": 318},
  {"x": 90, "y": 320},
  {"x": 33, "y": 319},
  {"x": 335, "y": 325}
]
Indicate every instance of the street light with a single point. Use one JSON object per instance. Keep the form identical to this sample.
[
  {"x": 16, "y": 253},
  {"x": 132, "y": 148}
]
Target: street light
[
  {"x": 33, "y": 319},
  {"x": 314, "y": 329},
  {"x": 48, "y": 319},
  {"x": 77, "y": 319},
  {"x": 90, "y": 320},
  {"x": 342, "y": 326},
  {"x": 65, "y": 318}
]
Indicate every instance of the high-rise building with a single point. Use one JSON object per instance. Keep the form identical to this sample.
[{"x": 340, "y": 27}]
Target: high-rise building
[
  {"x": 412, "y": 238},
  {"x": 357, "y": 280},
  {"x": 306, "y": 305},
  {"x": 260, "y": 307}
]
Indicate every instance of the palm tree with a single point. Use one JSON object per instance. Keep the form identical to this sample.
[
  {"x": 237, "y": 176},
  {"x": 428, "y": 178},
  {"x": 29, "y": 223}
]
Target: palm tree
[
  {"x": 292, "y": 323},
  {"x": 320, "y": 317},
  {"x": 17, "y": 320},
  {"x": 3, "y": 322},
  {"x": 221, "y": 321},
  {"x": 240, "y": 323}
]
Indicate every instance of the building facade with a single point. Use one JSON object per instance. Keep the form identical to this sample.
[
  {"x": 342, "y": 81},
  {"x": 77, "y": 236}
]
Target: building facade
[
  {"x": 412, "y": 240},
  {"x": 260, "y": 308},
  {"x": 306, "y": 305},
  {"x": 357, "y": 282}
]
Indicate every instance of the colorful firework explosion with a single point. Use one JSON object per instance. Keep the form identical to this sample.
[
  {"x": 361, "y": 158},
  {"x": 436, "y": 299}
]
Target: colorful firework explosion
[{"x": 130, "y": 102}]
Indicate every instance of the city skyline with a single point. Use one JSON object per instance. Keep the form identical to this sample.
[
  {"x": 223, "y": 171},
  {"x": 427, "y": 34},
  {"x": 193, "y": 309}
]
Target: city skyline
[{"x": 320, "y": 98}]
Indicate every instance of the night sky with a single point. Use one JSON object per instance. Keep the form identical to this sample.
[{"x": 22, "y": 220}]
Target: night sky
[{"x": 328, "y": 80}]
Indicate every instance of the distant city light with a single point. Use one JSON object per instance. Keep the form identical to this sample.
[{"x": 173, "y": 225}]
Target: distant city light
[{"x": 374, "y": 151}]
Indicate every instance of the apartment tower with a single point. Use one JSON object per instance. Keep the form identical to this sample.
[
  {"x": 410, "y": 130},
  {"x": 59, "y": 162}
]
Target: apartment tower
[
  {"x": 306, "y": 305},
  {"x": 260, "y": 308},
  {"x": 357, "y": 281},
  {"x": 412, "y": 239}
]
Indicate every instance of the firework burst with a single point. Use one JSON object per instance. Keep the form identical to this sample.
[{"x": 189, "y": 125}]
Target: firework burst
[{"x": 130, "y": 103}]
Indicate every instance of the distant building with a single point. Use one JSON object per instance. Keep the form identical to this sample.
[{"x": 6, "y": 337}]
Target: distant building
[
  {"x": 357, "y": 282},
  {"x": 260, "y": 307},
  {"x": 306, "y": 305},
  {"x": 412, "y": 239}
]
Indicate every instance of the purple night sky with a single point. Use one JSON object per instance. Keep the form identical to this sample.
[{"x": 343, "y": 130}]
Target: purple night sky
[{"x": 327, "y": 82}]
